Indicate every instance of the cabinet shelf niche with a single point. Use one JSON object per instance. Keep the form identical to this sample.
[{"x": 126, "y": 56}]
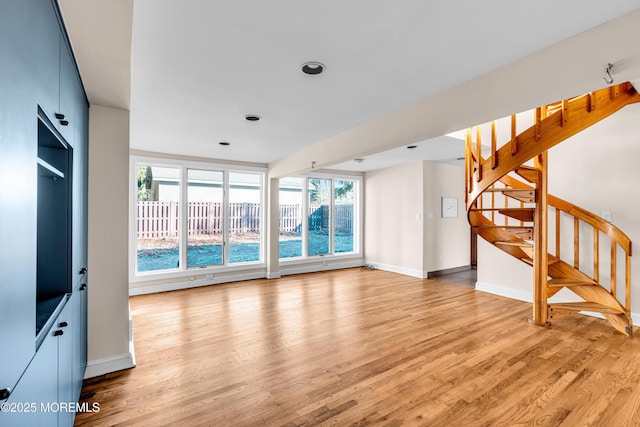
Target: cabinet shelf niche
[
  {"x": 54, "y": 221},
  {"x": 48, "y": 170}
]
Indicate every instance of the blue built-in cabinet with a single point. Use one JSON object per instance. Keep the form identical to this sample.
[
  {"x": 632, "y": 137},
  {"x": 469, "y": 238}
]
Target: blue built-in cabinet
[
  {"x": 18, "y": 180},
  {"x": 43, "y": 217}
]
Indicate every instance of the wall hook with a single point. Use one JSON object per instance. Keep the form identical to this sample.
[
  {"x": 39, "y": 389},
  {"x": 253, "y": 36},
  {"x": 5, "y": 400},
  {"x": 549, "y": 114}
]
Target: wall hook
[{"x": 608, "y": 78}]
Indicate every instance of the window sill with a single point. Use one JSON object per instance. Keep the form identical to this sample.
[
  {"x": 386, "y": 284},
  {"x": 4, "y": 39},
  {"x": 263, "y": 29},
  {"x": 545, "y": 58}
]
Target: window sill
[
  {"x": 320, "y": 258},
  {"x": 195, "y": 271}
]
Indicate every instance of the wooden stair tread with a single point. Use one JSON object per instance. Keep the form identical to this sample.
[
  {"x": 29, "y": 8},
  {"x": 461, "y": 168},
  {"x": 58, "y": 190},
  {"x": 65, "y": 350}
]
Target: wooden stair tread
[
  {"x": 512, "y": 190},
  {"x": 569, "y": 282},
  {"x": 550, "y": 260},
  {"x": 515, "y": 227},
  {"x": 584, "y": 306},
  {"x": 522, "y": 214},
  {"x": 526, "y": 195},
  {"x": 508, "y": 243},
  {"x": 529, "y": 173},
  {"x": 522, "y": 231},
  {"x": 499, "y": 209},
  {"x": 525, "y": 167}
]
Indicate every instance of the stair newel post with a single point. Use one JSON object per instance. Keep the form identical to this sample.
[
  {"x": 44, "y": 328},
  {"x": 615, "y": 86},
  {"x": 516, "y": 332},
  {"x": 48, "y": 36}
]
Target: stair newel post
[
  {"x": 514, "y": 137},
  {"x": 479, "y": 152},
  {"x": 494, "y": 154},
  {"x": 540, "y": 237},
  {"x": 468, "y": 171},
  {"x": 627, "y": 294}
]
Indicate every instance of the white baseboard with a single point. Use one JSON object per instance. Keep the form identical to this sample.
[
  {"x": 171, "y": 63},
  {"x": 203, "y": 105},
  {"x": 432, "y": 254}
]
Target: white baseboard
[
  {"x": 175, "y": 286},
  {"x": 528, "y": 297},
  {"x": 311, "y": 267},
  {"x": 400, "y": 270},
  {"x": 505, "y": 292},
  {"x": 95, "y": 368}
]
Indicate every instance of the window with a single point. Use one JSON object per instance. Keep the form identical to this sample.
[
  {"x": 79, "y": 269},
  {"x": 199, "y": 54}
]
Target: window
[
  {"x": 158, "y": 191},
  {"x": 318, "y": 216},
  {"x": 319, "y": 212},
  {"x": 291, "y": 226},
  {"x": 204, "y": 218},
  {"x": 245, "y": 194},
  {"x": 345, "y": 200},
  {"x": 196, "y": 217}
]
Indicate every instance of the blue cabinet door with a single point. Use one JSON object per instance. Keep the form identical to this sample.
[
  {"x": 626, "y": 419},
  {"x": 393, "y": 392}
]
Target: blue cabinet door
[
  {"x": 33, "y": 402},
  {"x": 18, "y": 175},
  {"x": 65, "y": 325},
  {"x": 46, "y": 33},
  {"x": 79, "y": 141},
  {"x": 79, "y": 300},
  {"x": 69, "y": 87}
]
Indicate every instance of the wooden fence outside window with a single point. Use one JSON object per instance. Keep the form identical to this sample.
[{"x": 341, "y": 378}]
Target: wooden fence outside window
[{"x": 158, "y": 219}]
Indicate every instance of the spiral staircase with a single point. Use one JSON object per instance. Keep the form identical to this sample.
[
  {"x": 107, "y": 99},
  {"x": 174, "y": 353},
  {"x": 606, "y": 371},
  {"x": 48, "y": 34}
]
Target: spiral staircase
[{"x": 508, "y": 205}]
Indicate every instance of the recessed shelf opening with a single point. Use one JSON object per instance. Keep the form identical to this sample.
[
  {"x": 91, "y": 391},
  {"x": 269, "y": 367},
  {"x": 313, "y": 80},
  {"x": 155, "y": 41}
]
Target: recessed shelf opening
[{"x": 54, "y": 221}]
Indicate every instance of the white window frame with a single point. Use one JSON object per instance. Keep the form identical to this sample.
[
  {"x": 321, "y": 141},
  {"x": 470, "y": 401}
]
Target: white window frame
[
  {"x": 357, "y": 214},
  {"x": 184, "y": 270}
]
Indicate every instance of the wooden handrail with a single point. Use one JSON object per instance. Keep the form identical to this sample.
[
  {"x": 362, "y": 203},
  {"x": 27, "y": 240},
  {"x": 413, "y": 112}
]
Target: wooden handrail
[
  {"x": 617, "y": 237},
  {"x": 593, "y": 220},
  {"x": 579, "y": 213},
  {"x": 555, "y": 127}
]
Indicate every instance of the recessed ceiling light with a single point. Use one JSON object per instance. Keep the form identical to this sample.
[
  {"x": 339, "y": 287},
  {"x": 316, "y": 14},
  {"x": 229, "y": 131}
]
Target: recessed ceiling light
[
  {"x": 411, "y": 146},
  {"x": 358, "y": 160},
  {"x": 312, "y": 68},
  {"x": 252, "y": 117},
  {"x": 224, "y": 143}
]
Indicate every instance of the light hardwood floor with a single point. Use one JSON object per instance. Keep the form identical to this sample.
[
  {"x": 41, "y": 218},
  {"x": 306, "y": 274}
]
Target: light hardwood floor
[{"x": 355, "y": 347}]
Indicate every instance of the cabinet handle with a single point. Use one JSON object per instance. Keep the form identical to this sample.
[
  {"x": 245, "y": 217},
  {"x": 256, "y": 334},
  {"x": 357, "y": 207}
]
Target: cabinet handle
[
  {"x": 63, "y": 324},
  {"x": 83, "y": 270},
  {"x": 64, "y": 122},
  {"x": 58, "y": 333},
  {"x": 5, "y": 393},
  {"x": 83, "y": 287},
  {"x": 59, "y": 116}
]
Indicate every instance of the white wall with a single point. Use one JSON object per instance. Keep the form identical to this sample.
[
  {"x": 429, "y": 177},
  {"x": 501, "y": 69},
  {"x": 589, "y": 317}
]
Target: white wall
[
  {"x": 108, "y": 310},
  {"x": 404, "y": 229},
  {"x": 446, "y": 240},
  {"x": 597, "y": 170},
  {"x": 393, "y": 218}
]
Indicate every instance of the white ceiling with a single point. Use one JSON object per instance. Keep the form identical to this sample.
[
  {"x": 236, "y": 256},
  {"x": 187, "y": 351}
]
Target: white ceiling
[
  {"x": 198, "y": 66},
  {"x": 442, "y": 149}
]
